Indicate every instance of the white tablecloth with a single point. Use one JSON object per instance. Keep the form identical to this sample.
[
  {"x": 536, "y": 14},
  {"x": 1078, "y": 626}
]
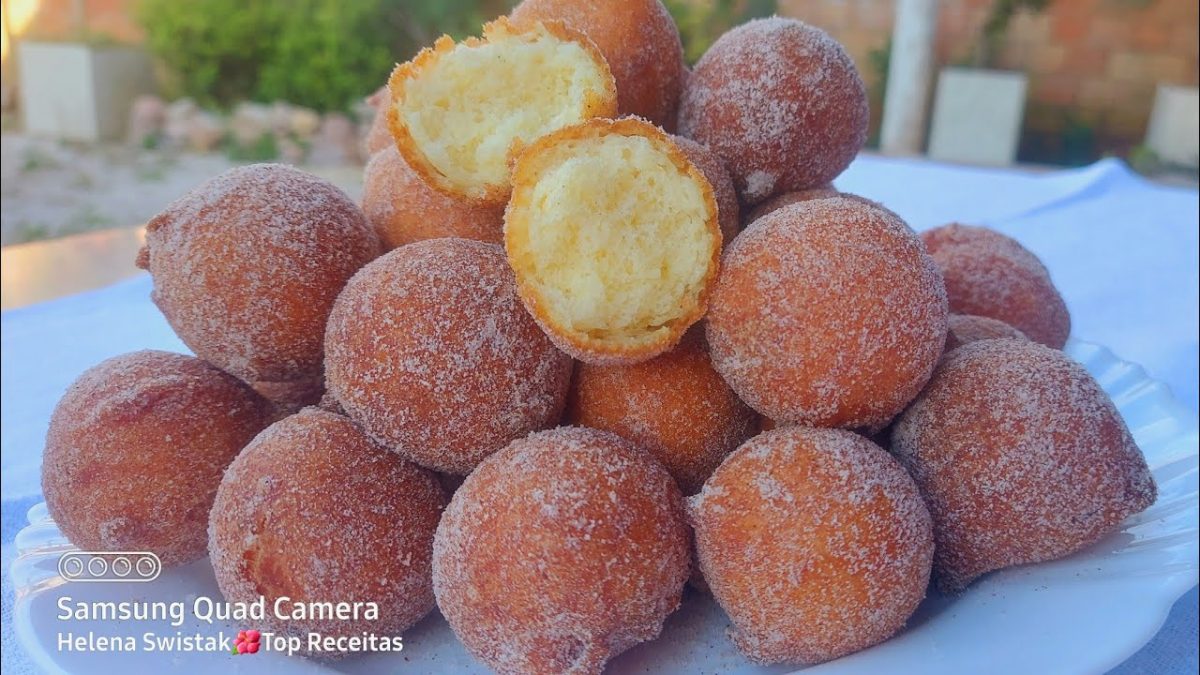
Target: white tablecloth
[{"x": 1123, "y": 251}]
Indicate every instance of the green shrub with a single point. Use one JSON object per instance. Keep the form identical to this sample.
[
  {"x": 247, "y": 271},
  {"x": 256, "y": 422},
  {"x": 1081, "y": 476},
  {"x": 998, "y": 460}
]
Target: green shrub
[
  {"x": 701, "y": 23},
  {"x": 324, "y": 54},
  {"x": 210, "y": 50}
]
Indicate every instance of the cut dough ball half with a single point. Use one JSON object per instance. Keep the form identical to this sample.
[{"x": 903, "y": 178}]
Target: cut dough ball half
[
  {"x": 460, "y": 110},
  {"x": 614, "y": 239}
]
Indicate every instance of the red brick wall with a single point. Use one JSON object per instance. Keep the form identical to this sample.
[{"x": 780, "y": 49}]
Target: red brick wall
[
  {"x": 1091, "y": 63},
  {"x": 97, "y": 19}
]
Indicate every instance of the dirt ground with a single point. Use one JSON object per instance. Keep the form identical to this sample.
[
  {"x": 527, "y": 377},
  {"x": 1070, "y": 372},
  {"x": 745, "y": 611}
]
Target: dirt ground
[{"x": 52, "y": 188}]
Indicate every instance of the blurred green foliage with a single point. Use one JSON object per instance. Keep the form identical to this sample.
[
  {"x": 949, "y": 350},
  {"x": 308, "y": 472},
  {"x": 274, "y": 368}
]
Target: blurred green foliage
[
  {"x": 323, "y": 54},
  {"x": 703, "y": 21}
]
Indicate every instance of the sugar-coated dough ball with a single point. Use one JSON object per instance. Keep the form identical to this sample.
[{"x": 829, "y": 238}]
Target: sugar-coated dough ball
[
  {"x": 674, "y": 405},
  {"x": 966, "y": 328},
  {"x": 781, "y": 102},
  {"x": 781, "y": 200},
  {"x": 430, "y": 350},
  {"x": 815, "y": 542},
  {"x": 728, "y": 210},
  {"x": 378, "y": 136},
  {"x": 827, "y": 313},
  {"x": 1021, "y": 457},
  {"x": 403, "y": 208},
  {"x": 560, "y": 552},
  {"x": 315, "y": 511},
  {"x": 992, "y": 275},
  {"x": 614, "y": 237},
  {"x": 136, "y": 449},
  {"x": 639, "y": 40},
  {"x": 246, "y": 268}
]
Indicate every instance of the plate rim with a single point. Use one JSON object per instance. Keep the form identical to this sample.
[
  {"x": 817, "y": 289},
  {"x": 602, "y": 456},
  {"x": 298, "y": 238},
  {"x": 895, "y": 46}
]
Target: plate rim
[{"x": 1166, "y": 594}]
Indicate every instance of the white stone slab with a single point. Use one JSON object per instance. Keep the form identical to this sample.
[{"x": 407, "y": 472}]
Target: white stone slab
[{"x": 977, "y": 116}]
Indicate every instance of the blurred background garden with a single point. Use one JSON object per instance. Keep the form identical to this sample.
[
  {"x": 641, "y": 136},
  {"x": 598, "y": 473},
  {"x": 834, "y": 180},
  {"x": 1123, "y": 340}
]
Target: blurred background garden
[{"x": 111, "y": 108}]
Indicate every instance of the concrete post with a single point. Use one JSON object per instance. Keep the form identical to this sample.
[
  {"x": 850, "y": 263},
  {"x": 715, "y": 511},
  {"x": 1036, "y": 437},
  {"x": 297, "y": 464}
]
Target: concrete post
[{"x": 910, "y": 73}]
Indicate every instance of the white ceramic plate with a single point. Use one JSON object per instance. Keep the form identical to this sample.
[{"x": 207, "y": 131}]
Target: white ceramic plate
[{"x": 1083, "y": 614}]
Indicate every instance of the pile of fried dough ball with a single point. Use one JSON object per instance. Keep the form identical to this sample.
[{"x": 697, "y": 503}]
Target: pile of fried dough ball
[{"x": 547, "y": 371}]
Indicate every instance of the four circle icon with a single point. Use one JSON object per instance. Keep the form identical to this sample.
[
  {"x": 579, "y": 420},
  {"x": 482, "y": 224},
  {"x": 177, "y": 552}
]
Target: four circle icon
[{"x": 109, "y": 566}]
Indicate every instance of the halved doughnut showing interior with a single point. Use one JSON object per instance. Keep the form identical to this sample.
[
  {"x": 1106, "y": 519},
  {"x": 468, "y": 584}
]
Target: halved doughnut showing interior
[
  {"x": 614, "y": 239},
  {"x": 460, "y": 109}
]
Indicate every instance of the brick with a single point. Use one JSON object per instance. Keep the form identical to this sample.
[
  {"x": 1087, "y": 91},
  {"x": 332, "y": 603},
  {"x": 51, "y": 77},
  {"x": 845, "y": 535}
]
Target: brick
[
  {"x": 1185, "y": 41},
  {"x": 1030, "y": 27},
  {"x": 1150, "y": 36},
  {"x": 1171, "y": 68},
  {"x": 1080, "y": 60},
  {"x": 1127, "y": 65},
  {"x": 873, "y": 15},
  {"x": 1108, "y": 33},
  {"x": 1096, "y": 93},
  {"x": 1069, "y": 27},
  {"x": 1054, "y": 89},
  {"x": 1047, "y": 58},
  {"x": 1133, "y": 93}
]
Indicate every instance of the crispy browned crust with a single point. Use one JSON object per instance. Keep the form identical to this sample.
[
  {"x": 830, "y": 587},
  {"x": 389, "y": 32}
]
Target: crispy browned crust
[
  {"x": 604, "y": 105},
  {"x": 639, "y": 39},
  {"x": 584, "y": 347}
]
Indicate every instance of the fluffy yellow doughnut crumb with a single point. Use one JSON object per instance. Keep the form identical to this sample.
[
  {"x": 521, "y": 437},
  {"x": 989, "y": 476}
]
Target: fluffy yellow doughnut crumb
[
  {"x": 614, "y": 239},
  {"x": 459, "y": 110}
]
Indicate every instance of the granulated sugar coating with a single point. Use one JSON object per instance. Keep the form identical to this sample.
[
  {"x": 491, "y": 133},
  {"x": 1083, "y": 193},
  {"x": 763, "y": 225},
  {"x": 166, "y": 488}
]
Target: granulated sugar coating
[
  {"x": 992, "y": 275},
  {"x": 827, "y": 313},
  {"x": 561, "y": 551},
  {"x": 246, "y": 268},
  {"x": 781, "y": 102},
  {"x": 815, "y": 542},
  {"x": 136, "y": 448},
  {"x": 639, "y": 40},
  {"x": 728, "y": 209},
  {"x": 378, "y": 135},
  {"x": 403, "y": 208},
  {"x": 315, "y": 511},
  {"x": 966, "y": 328},
  {"x": 1021, "y": 457},
  {"x": 674, "y": 405},
  {"x": 431, "y": 351},
  {"x": 779, "y": 201}
]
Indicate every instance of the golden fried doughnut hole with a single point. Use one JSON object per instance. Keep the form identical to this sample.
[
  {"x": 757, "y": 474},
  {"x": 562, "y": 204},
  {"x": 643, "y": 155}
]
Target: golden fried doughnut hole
[
  {"x": 560, "y": 552},
  {"x": 430, "y": 350},
  {"x": 136, "y": 449},
  {"x": 992, "y": 275},
  {"x": 315, "y": 511},
  {"x": 639, "y": 40},
  {"x": 246, "y": 268},
  {"x": 1021, "y": 457},
  {"x": 614, "y": 238},
  {"x": 403, "y": 208},
  {"x": 728, "y": 209},
  {"x": 815, "y": 542},
  {"x": 379, "y": 136},
  {"x": 827, "y": 313},
  {"x": 674, "y": 405},
  {"x": 781, "y": 102}
]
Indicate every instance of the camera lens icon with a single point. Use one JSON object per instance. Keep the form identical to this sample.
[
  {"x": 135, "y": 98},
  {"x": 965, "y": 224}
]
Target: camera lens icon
[{"x": 109, "y": 566}]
